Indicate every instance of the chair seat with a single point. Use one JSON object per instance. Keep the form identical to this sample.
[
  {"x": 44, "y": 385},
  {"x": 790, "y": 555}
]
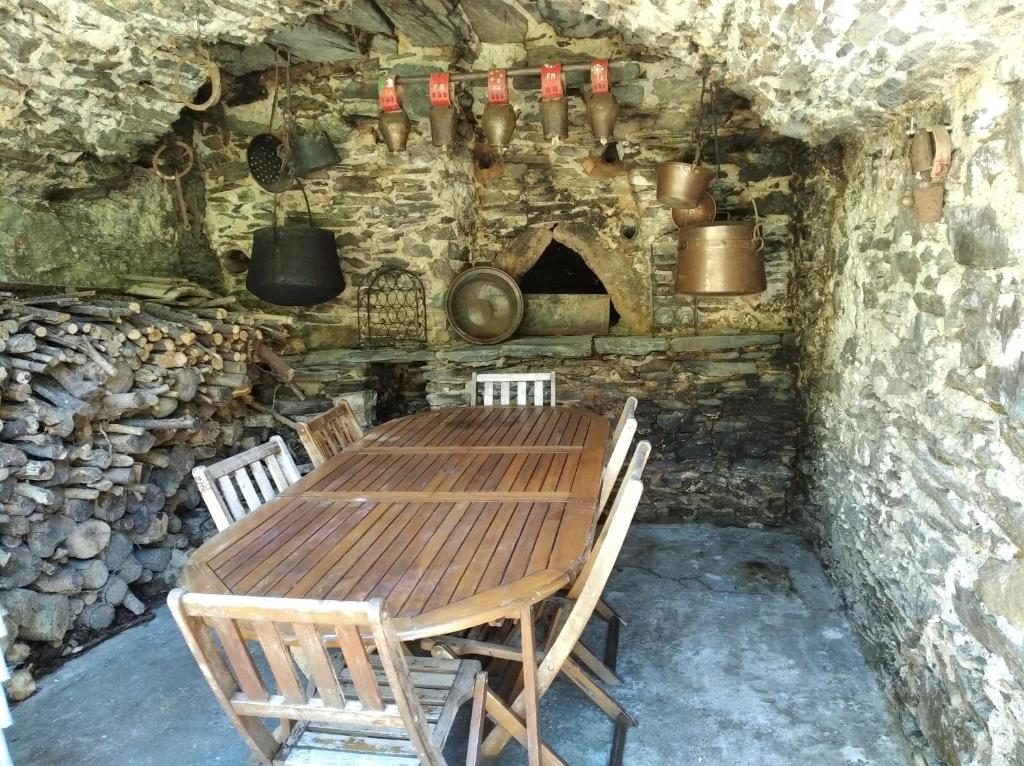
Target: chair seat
[{"x": 441, "y": 685}]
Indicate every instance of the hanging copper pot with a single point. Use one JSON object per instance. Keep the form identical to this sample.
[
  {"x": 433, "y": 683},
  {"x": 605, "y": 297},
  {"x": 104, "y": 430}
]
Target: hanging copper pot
[
  {"x": 704, "y": 212},
  {"x": 393, "y": 121},
  {"x": 499, "y": 118},
  {"x": 720, "y": 258},
  {"x": 294, "y": 265},
  {"x": 442, "y": 115},
  {"x": 602, "y": 108},
  {"x": 682, "y": 184},
  {"x": 554, "y": 107}
]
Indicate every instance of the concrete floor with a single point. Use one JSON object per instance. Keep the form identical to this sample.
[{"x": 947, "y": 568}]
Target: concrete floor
[{"x": 735, "y": 655}]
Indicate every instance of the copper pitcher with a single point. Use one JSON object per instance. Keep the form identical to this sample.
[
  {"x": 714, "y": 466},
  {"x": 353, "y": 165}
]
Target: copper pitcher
[{"x": 603, "y": 111}]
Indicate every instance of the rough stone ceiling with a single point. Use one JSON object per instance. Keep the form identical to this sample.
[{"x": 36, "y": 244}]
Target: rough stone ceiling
[{"x": 94, "y": 78}]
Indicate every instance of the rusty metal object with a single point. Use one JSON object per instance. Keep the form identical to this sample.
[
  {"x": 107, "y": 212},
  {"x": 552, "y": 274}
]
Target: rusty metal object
[
  {"x": 209, "y": 68},
  {"x": 682, "y": 184},
  {"x": 720, "y": 258},
  {"x": 565, "y": 314},
  {"x": 703, "y": 212},
  {"x": 175, "y": 176},
  {"x": 484, "y": 305},
  {"x": 392, "y": 310}
]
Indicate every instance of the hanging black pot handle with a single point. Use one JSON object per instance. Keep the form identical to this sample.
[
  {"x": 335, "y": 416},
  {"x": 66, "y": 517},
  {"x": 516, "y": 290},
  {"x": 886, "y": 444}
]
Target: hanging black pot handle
[{"x": 309, "y": 210}]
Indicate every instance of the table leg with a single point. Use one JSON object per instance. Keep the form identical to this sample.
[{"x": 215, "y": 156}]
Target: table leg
[{"x": 530, "y": 685}]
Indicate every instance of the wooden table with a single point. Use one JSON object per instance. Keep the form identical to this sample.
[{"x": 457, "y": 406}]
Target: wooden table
[{"x": 450, "y": 516}]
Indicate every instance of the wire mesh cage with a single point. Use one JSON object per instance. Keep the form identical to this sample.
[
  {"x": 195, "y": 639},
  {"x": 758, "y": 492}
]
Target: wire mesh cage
[{"x": 392, "y": 309}]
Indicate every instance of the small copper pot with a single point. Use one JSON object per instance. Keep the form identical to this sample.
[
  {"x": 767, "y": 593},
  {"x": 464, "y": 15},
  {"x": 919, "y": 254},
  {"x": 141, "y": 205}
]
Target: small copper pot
[
  {"x": 498, "y": 123},
  {"x": 554, "y": 117},
  {"x": 681, "y": 184},
  {"x": 603, "y": 111},
  {"x": 442, "y": 126},
  {"x": 394, "y": 127}
]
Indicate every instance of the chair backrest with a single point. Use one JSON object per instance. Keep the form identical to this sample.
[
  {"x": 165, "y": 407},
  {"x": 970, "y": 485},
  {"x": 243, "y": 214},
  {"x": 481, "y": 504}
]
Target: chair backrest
[
  {"x": 269, "y": 465},
  {"x": 329, "y": 432},
  {"x": 622, "y": 437},
  {"x": 513, "y": 385},
  {"x": 590, "y": 583},
  {"x": 294, "y": 633}
]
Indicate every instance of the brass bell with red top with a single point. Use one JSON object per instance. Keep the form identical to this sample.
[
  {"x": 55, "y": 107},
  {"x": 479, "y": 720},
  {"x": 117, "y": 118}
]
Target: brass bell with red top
[
  {"x": 602, "y": 108},
  {"x": 393, "y": 121},
  {"x": 442, "y": 115},
  {"x": 499, "y": 119},
  {"x": 554, "y": 107}
]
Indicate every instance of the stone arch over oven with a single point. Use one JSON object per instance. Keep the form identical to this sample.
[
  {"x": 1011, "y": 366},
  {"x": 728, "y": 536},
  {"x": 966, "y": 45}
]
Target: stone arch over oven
[{"x": 627, "y": 289}]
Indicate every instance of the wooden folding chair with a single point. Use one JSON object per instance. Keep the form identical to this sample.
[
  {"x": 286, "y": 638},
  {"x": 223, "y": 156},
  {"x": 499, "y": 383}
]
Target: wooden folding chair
[
  {"x": 519, "y": 382},
  {"x": 329, "y": 432},
  {"x": 566, "y": 632},
  {"x": 356, "y": 709},
  {"x": 269, "y": 465}
]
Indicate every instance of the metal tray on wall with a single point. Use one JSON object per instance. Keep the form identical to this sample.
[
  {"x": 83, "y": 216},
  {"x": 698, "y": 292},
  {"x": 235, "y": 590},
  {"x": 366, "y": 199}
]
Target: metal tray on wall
[{"x": 564, "y": 314}]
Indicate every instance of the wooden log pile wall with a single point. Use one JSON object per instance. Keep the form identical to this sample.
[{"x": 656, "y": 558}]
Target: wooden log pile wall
[{"x": 105, "y": 407}]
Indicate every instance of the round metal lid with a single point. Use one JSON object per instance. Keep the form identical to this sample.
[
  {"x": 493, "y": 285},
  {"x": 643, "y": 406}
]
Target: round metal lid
[{"x": 484, "y": 305}]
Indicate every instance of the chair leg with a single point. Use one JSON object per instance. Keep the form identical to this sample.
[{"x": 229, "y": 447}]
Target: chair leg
[
  {"x": 476, "y": 721},
  {"x": 587, "y": 658},
  {"x": 611, "y": 642},
  {"x": 598, "y": 696},
  {"x": 622, "y": 726}
]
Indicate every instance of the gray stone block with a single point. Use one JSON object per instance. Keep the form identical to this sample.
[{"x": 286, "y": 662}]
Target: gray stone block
[
  {"x": 630, "y": 346},
  {"x": 699, "y": 343}
]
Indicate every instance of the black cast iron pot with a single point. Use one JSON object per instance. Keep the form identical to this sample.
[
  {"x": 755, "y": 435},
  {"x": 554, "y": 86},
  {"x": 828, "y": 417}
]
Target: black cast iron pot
[{"x": 294, "y": 265}]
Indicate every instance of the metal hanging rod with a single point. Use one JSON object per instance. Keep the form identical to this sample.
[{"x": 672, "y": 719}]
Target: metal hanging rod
[{"x": 471, "y": 76}]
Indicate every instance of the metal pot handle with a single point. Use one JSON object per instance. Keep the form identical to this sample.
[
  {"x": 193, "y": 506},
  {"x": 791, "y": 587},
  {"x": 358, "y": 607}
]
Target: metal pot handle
[
  {"x": 724, "y": 215},
  {"x": 760, "y": 242}
]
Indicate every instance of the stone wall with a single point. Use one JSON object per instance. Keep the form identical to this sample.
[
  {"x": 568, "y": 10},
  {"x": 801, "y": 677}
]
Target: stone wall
[
  {"x": 912, "y": 377},
  {"x": 97, "y": 235},
  {"x": 719, "y": 410},
  {"x": 435, "y": 212}
]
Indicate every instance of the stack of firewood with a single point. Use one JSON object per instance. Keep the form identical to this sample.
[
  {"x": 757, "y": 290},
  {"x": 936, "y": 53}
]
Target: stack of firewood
[{"x": 106, "y": 404}]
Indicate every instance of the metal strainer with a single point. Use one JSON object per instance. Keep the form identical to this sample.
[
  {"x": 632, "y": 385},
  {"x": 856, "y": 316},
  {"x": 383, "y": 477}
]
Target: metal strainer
[
  {"x": 269, "y": 157},
  {"x": 267, "y": 165}
]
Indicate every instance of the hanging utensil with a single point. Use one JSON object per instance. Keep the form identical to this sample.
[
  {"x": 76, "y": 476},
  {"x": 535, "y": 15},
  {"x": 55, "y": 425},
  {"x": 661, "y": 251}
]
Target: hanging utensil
[
  {"x": 269, "y": 157},
  {"x": 721, "y": 258},
  {"x": 175, "y": 176},
  {"x": 393, "y": 121},
  {"x": 499, "y": 118},
  {"x": 313, "y": 151},
  {"x": 294, "y": 265},
  {"x": 484, "y": 305},
  {"x": 602, "y": 108},
  {"x": 554, "y": 107},
  {"x": 703, "y": 212},
  {"x": 442, "y": 115},
  {"x": 682, "y": 184}
]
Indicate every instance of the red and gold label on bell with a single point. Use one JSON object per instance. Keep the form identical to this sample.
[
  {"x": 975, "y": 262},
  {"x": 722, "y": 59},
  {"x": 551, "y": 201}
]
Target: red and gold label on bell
[
  {"x": 387, "y": 94},
  {"x": 440, "y": 89},
  {"x": 551, "y": 86},
  {"x": 599, "y": 76},
  {"x": 497, "y": 86}
]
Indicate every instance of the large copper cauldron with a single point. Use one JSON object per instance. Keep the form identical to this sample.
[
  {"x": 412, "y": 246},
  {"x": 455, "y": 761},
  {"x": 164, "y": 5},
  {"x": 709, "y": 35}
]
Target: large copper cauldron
[{"x": 720, "y": 258}]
